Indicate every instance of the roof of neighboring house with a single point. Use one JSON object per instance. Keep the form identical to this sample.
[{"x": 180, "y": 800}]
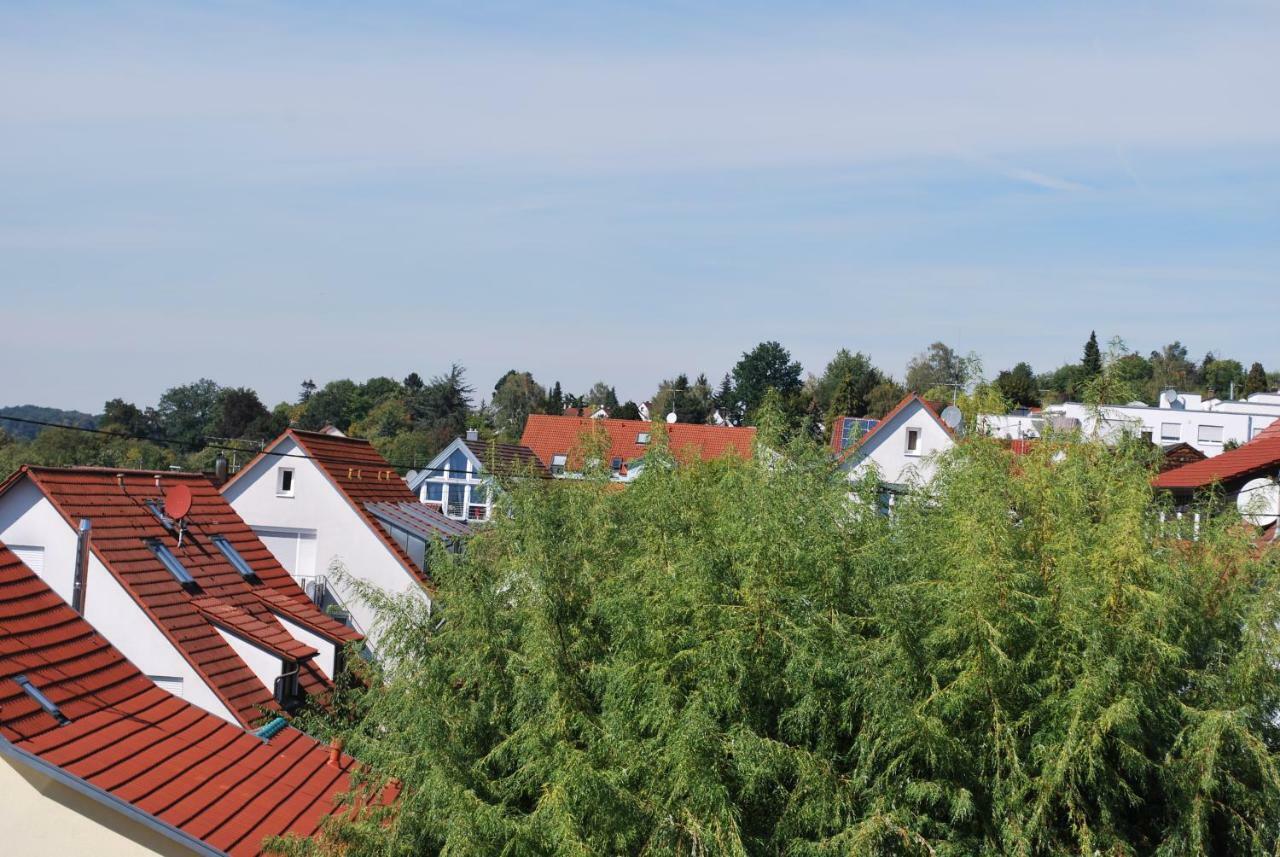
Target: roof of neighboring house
[
  {"x": 116, "y": 502},
  {"x": 187, "y": 771},
  {"x": 506, "y": 459},
  {"x": 1258, "y": 456},
  {"x": 854, "y": 426},
  {"x": 1178, "y": 455},
  {"x": 420, "y": 519},
  {"x": 934, "y": 409},
  {"x": 548, "y": 435},
  {"x": 360, "y": 474}
]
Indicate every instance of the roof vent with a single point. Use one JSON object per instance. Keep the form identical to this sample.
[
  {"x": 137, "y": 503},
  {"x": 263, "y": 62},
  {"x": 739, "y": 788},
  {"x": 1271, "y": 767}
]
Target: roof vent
[
  {"x": 43, "y": 701},
  {"x": 473, "y": 434}
]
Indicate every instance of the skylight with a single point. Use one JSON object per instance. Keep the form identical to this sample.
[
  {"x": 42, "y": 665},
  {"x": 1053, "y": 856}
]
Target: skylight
[
  {"x": 233, "y": 556},
  {"x": 642, "y": 437},
  {"x": 43, "y": 701},
  {"x": 170, "y": 562},
  {"x": 158, "y": 511}
]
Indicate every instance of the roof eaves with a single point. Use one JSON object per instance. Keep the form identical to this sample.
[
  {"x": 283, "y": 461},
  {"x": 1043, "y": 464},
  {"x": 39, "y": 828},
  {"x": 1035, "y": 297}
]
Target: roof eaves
[{"x": 106, "y": 799}]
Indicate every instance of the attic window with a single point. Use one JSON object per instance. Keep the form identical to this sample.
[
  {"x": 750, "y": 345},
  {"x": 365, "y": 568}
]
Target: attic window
[
  {"x": 558, "y": 462},
  {"x": 284, "y": 482},
  {"x": 233, "y": 557},
  {"x": 642, "y": 437},
  {"x": 170, "y": 562},
  {"x": 913, "y": 441},
  {"x": 43, "y": 701}
]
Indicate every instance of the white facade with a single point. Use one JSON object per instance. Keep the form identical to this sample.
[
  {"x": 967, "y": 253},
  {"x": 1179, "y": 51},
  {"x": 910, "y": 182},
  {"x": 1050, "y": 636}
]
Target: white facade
[
  {"x": 456, "y": 483},
  {"x": 309, "y": 525},
  {"x": 902, "y": 447},
  {"x": 28, "y": 518},
  {"x": 1207, "y": 425}
]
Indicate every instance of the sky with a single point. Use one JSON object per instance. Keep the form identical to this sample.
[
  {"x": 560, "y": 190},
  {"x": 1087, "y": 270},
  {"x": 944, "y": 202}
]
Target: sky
[{"x": 266, "y": 192}]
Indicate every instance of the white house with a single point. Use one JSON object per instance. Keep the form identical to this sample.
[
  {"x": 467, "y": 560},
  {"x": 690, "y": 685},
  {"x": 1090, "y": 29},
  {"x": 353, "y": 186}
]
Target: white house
[
  {"x": 901, "y": 447},
  {"x": 1206, "y": 424},
  {"x": 460, "y": 481},
  {"x": 318, "y": 500},
  {"x": 189, "y": 594}
]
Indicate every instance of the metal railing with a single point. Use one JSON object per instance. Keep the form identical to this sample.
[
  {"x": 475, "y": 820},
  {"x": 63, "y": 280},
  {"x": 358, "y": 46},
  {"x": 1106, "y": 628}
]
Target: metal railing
[{"x": 325, "y": 596}]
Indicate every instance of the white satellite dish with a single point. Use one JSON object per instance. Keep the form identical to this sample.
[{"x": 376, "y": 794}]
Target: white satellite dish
[
  {"x": 1259, "y": 501},
  {"x": 671, "y": 418},
  {"x": 410, "y": 476},
  {"x": 952, "y": 416}
]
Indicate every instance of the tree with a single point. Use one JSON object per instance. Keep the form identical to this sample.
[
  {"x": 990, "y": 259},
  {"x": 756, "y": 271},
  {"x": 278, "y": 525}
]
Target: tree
[
  {"x": 1256, "y": 382},
  {"x": 517, "y": 397},
  {"x": 725, "y": 402},
  {"x": 846, "y": 383},
  {"x": 940, "y": 366},
  {"x": 1171, "y": 368},
  {"x": 1092, "y": 361},
  {"x": 628, "y": 410},
  {"x": 884, "y": 398},
  {"x": 121, "y": 416},
  {"x": 333, "y": 404},
  {"x": 767, "y": 366},
  {"x": 555, "y": 401},
  {"x": 691, "y": 402},
  {"x": 1017, "y": 663},
  {"x": 602, "y": 395},
  {"x": 1018, "y": 386},
  {"x": 1222, "y": 378},
  {"x": 241, "y": 414},
  {"x": 187, "y": 413},
  {"x": 308, "y": 388}
]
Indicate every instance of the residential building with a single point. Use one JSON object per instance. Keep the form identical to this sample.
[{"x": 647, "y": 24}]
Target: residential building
[
  {"x": 189, "y": 594},
  {"x": 900, "y": 448},
  {"x": 1249, "y": 472},
  {"x": 460, "y": 482},
  {"x": 96, "y": 759},
  {"x": 558, "y": 441},
  {"x": 321, "y": 501}
]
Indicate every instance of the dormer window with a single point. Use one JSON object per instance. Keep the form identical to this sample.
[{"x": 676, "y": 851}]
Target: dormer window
[
  {"x": 171, "y": 563},
  {"x": 233, "y": 556},
  {"x": 558, "y": 462},
  {"x": 284, "y": 482}
]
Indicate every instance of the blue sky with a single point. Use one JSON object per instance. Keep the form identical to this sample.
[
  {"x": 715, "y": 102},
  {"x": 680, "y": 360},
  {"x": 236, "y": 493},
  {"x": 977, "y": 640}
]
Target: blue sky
[{"x": 261, "y": 193}]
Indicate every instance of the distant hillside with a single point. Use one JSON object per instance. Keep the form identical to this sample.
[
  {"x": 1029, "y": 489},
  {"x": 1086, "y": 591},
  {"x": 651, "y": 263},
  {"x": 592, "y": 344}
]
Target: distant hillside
[{"x": 49, "y": 415}]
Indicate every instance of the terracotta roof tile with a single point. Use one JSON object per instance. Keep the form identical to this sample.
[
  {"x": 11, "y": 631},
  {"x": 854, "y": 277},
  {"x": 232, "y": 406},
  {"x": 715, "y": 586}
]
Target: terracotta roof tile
[
  {"x": 117, "y": 504},
  {"x": 934, "y": 409},
  {"x": 507, "y": 459},
  {"x": 1258, "y": 456},
  {"x": 548, "y": 435},
  {"x": 127, "y": 737}
]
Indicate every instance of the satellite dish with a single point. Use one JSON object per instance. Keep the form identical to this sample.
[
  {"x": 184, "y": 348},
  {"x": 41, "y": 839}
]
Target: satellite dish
[
  {"x": 671, "y": 418},
  {"x": 410, "y": 476},
  {"x": 1259, "y": 501},
  {"x": 177, "y": 501},
  {"x": 952, "y": 416}
]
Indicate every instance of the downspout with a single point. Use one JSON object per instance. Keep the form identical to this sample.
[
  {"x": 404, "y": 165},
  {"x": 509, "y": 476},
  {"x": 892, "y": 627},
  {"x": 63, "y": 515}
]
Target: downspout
[{"x": 81, "y": 575}]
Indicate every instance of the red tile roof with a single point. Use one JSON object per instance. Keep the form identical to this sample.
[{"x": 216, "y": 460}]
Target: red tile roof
[
  {"x": 186, "y": 768},
  {"x": 360, "y": 474},
  {"x": 1258, "y": 456},
  {"x": 934, "y": 409},
  {"x": 506, "y": 459},
  {"x": 116, "y": 503},
  {"x": 548, "y": 435}
]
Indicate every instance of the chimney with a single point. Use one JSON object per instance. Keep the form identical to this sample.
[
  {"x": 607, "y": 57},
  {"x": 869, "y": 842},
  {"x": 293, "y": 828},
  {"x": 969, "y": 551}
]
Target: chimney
[
  {"x": 335, "y": 753},
  {"x": 473, "y": 434},
  {"x": 220, "y": 469},
  {"x": 81, "y": 573}
]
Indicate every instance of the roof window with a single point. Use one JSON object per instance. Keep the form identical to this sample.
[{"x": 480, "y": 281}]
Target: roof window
[
  {"x": 43, "y": 701},
  {"x": 642, "y": 437},
  {"x": 157, "y": 509},
  {"x": 615, "y": 465},
  {"x": 170, "y": 562},
  {"x": 233, "y": 557},
  {"x": 558, "y": 462}
]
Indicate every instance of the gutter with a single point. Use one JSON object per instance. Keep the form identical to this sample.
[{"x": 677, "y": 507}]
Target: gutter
[{"x": 106, "y": 799}]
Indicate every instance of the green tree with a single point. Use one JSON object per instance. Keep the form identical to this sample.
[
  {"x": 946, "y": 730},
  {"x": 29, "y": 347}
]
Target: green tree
[
  {"x": 846, "y": 383},
  {"x": 1256, "y": 382},
  {"x": 240, "y": 413},
  {"x": 1171, "y": 368},
  {"x": 1018, "y": 385},
  {"x": 188, "y": 413},
  {"x": 767, "y": 366},
  {"x": 555, "y": 400},
  {"x": 940, "y": 366},
  {"x": 884, "y": 398},
  {"x": 1222, "y": 377},
  {"x": 517, "y": 396},
  {"x": 729, "y": 658},
  {"x": 1092, "y": 362}
]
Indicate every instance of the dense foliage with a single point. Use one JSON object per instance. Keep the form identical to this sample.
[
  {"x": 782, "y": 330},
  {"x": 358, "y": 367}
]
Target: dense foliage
[{"x": 732, "y": 658}]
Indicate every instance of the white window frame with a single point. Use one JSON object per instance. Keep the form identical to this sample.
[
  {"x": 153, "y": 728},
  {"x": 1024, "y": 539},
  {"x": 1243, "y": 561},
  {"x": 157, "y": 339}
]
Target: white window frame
[
  {"x": 919, "y": 436},
  {"x": 1177, "y": 432},
  {"x": 559, "y": 461},
  {"x": 1200, "y": 436},
  {"x": 281, "y": 491}
]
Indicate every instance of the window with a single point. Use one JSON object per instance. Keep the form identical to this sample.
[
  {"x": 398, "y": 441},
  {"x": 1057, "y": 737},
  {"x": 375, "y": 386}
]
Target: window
[
  {"x": 457, "y": 465},
  {"x": 233, "y": 557},
  {"x": 284, "y": 482},
  {"x": 287, "y": 692},
  {"x": 1210, "y": 434},
  {"x": 558, "y": 463},
  {"x": 456, "y": 506},
  {"x": 43, "y": 701},
  {"x": 433, "y": 491},
  {"x": 615, "y": 465},
  {"x": 158, "y": 510},
  {"x": 913, "y": 441},
  {"x": 1170, "y": 431},
  {"x": 1146, "y": 435},
  {"x": 642, "y": 437},
  {"x": 171, "y": 562}
]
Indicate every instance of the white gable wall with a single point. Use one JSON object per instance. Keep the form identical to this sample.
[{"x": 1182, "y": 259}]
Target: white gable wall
[
  {"x": 887, "y": 449},
  {"x": 28, "y": 518},
  {"x": 341, "y": 533},
  {"x": 328, "y": 649}
]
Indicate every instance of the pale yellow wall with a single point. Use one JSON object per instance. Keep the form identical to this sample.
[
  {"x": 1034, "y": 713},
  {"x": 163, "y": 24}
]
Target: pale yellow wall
[{"x": 39, "y": 815}]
